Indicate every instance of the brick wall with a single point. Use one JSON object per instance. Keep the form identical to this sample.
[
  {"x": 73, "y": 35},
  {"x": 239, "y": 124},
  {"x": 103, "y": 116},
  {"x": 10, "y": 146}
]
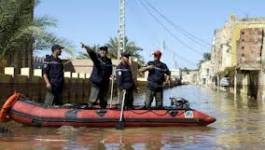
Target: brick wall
[{"x": 249, "y": 46}]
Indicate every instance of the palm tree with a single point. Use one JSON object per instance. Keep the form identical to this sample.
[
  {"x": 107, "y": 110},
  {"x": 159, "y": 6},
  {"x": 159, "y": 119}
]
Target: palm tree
[
  {"x": 18, "y": 28},
  {"x": 130, "y": 47}
]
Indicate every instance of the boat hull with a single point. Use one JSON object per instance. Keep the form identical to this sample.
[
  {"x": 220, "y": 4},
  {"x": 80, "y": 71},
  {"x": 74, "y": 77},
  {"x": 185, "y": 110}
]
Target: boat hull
[{"x": 30, "y": 113}]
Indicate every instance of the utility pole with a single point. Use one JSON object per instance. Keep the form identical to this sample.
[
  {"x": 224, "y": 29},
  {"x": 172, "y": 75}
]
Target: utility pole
[{"x": 121, "y": 30}]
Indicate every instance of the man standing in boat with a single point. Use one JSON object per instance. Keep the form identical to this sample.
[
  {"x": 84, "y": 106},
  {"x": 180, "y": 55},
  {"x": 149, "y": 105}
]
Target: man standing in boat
[
  {"x": 125, "y": 80},
  {"x": 53, "y": 70},
  {"x": 100, "y": 76},
  {"x": 158, "y": 76}
]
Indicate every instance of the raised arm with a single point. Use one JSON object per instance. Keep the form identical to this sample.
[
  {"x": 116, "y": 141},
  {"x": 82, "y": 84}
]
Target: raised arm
[{"x": 91, "y": 53}]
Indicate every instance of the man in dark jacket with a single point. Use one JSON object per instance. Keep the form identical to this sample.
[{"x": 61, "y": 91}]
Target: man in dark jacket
[
  {"x": 100, "y": 76},
  {"x": 54, "y": 76},
  {"x": 158, "y": 75},
  {"x": 125, "y": 80}
]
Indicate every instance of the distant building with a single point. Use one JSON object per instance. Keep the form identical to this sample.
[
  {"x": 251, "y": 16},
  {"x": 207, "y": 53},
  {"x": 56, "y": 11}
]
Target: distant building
[
  {"x": 175, "y": 74},
  {"x": 205, "y": 73},
  {"x": 189, "y": 76}
]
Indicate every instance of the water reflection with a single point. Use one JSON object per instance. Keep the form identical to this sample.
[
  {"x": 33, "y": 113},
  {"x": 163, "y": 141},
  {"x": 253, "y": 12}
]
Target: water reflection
[{"x": 240, "y": 125}]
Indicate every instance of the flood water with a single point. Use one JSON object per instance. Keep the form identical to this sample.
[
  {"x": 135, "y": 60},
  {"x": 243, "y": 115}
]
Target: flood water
[{"x": 240, "y": 125}]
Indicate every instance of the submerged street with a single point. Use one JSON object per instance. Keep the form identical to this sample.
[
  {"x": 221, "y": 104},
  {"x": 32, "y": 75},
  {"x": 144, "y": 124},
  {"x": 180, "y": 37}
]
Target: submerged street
[{"x": 240, "y": 125}]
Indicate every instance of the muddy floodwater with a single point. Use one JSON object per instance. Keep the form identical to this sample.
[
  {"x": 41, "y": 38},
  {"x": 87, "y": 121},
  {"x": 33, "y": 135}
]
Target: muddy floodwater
[{"x": 240, "y": 125}]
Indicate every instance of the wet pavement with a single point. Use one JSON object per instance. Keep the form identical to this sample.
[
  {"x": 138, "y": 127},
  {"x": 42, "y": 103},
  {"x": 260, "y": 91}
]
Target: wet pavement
[{"x": 240, "y": 125}]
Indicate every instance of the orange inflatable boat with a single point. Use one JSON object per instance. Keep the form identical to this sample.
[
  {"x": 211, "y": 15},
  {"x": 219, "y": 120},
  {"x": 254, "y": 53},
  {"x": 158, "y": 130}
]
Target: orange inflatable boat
[{"x": 25, "y": 111}]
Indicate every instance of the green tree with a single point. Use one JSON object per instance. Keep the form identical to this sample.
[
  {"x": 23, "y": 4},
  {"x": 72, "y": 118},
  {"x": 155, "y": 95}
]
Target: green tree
[
  {"x": 130, "y": 47},
  {"x": 206, "y": 57},
  {"x": 17, "y": 27}
]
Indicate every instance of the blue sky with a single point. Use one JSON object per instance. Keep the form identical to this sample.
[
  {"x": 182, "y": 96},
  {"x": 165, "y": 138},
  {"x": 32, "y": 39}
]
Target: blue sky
[{"x": 95, "y": 21}]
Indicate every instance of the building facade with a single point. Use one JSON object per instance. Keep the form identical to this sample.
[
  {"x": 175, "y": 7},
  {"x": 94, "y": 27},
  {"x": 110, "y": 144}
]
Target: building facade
[
  {"x": 205, "y": 73},
  {"x": 237, "y": 54}
]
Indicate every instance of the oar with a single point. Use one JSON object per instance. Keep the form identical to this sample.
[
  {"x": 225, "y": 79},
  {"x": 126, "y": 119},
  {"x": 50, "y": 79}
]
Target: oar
[
  {"x": 120, "y": 124},
  {"x": 111, "y": 90}
]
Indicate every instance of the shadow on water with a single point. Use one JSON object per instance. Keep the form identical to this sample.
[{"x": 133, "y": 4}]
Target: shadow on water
[{"x": 240, "y": 125}]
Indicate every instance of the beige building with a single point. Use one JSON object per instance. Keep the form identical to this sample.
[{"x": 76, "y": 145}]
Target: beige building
[
  {"x": 205, "y": 73},
  {"x": 190, "y": 77},
  {"x": 175, "y": 74},
  {"x": 237, "y": 54}
]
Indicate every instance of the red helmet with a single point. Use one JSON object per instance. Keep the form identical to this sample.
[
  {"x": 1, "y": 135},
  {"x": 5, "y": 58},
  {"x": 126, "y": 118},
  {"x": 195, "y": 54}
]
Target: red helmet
[{"x": 157, "y": 53}]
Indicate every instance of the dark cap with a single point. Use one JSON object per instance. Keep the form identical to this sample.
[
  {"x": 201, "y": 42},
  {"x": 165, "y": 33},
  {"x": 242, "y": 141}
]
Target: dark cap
[
  {"x": 56, "y": 46},
  {"x": 104, "y": 48},
  {"x": 125, "y": 54}
]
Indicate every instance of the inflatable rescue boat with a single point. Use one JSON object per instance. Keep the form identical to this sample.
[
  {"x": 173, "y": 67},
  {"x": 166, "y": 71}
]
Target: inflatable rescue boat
[{"x": 23, "y": 110}]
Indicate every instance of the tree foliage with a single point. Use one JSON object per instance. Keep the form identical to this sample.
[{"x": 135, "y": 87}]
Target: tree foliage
[
  {"x": 206, "y": 57},
  {"x": 112, "y": 45},
  {"x": 130, "y": 47},
  {"x": 17, "y": 26}
]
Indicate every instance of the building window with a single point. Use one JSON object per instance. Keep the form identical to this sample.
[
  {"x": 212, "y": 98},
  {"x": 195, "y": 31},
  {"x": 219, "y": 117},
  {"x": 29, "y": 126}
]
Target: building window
[{"x": 204, "y": 81}]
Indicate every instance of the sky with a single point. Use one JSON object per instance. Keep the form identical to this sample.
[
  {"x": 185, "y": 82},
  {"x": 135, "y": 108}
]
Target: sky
[{"x": 96, "y": 21}]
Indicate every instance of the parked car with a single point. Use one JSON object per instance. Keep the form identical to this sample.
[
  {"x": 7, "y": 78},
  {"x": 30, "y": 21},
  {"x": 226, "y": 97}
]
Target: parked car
[{"x": 224, "y": 82}]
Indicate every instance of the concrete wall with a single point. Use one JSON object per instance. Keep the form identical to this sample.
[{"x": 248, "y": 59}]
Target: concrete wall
[{"x": 76, "y": 88}]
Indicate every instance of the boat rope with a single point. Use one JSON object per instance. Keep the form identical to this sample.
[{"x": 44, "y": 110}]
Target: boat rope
[
  {"x": 154, "y": 112},
  {"x": 139, "y": 113},
  {"x": 160, "y": 114}
]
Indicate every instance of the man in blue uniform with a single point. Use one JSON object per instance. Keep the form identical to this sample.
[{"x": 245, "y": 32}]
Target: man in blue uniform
[
  {"x": 158, "y": 75},
  {"x": 125, "y": 80},
  {"x": 100, "y": 76},
  {"x": 53, "y": 73}
]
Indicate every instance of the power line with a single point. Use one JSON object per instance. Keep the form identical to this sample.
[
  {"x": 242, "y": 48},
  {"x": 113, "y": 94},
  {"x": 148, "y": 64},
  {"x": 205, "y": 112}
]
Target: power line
[
  {"x": 155, "y": 37},
  {"x": 140, "y": 22},
  {"x": 177, "y": 27},
  {"x": 168, "y": 30}
]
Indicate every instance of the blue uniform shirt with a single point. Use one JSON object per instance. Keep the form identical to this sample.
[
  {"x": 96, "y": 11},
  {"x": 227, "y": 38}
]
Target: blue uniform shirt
[
  {"x": 102, "y": 69},
  {"x": 53, "y": 67},
  {"x": 124, "y": 77},
  {"x": 156, "y": 75}
]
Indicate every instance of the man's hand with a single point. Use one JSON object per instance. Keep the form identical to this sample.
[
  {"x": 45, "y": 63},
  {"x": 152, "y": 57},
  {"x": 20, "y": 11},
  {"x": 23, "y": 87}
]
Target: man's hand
[
  {"x": 85, "y": 46},
  {"x": 168, "y": 82},
  {"x": 48, "y": 86},
  {"x": 150, "y": 67},
  {"x": 82, "y": 45}
]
